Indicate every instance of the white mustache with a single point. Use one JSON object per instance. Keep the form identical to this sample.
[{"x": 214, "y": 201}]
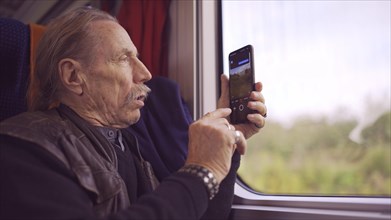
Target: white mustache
[{"x": 138, "y": 91}]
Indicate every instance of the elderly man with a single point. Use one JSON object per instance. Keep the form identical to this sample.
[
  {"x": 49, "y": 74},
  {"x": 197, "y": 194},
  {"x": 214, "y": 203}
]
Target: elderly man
[{"x": 57, "y": 161}]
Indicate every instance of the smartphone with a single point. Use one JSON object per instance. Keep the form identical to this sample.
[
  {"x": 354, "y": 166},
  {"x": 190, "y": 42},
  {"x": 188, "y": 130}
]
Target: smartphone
[{"x": 241, "y": 83}]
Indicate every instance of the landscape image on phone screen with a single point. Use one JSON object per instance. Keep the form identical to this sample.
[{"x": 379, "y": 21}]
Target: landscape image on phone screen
[{"x": 241, "y": 82}]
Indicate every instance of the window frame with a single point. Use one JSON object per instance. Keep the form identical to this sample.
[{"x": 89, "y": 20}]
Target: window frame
[
  {"x": 299, "y": 206},
  {"x": 196, "y": 62}
]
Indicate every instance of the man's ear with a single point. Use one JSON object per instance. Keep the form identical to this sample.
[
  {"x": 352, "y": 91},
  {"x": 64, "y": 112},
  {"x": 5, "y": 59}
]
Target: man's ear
[{"x": 70, "y": 75}]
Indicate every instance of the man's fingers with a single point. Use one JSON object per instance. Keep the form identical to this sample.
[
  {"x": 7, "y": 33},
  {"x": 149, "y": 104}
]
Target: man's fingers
[
  {"x": 257, "y": 96},
  {"x": 240, "y": 142},
  {"x": 224, "y": 85},
  {"x": 258, "y": 86},
  {"x": 257, "y": 120},
  {"x": 258, "y": 106},
  {"x": 219, "y": 113}
]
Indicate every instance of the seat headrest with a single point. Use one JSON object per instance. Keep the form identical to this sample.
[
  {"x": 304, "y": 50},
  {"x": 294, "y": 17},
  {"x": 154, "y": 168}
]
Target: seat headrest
[{"x": 14, "y": 66}]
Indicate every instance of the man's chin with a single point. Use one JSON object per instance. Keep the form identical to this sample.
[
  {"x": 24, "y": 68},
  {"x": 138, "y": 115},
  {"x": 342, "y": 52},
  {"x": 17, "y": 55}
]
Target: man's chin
[{"x": 135, "y": 117}]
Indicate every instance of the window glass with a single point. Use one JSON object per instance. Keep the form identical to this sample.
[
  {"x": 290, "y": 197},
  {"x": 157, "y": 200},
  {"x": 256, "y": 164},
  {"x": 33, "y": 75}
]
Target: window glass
[{"x": 325, "y": 69}]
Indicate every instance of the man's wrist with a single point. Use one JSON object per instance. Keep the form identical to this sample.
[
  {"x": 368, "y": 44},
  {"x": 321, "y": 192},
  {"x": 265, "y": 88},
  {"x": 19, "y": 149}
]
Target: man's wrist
[{"x": 205, "y": 175}]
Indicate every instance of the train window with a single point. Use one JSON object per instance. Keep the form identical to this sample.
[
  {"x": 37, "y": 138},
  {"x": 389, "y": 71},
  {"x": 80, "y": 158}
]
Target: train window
[{"x": 325, "y": 67}]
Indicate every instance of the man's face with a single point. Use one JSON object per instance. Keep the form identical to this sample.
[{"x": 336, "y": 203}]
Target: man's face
[{"x": 114, "y": 82}]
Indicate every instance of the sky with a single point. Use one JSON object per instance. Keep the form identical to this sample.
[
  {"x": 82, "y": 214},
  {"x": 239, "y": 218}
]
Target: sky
[{"x": 315, "y": 58}]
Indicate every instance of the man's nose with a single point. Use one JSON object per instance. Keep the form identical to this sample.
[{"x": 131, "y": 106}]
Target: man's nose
[{"x": 141, "y": 73}]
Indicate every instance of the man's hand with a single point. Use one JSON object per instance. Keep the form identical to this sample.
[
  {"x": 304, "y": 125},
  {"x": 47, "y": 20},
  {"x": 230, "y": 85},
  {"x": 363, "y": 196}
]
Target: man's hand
[
  {"x": 212, "y": 142},
  {"x": 257, "y": 120}
]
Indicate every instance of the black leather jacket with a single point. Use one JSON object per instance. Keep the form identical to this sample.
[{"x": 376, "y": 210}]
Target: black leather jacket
[{"x": 93, "y": 164}]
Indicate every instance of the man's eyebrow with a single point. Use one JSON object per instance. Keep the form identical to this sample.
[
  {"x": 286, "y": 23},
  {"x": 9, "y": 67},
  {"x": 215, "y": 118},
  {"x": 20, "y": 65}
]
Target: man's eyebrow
[{"x": 129, "y": 52}]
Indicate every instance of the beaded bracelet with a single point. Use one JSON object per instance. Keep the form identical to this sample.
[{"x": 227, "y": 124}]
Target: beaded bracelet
[{"x": 207, "y": 177}]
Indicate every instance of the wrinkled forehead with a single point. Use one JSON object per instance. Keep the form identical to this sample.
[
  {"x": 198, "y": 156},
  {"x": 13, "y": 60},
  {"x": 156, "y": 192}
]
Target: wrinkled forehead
[{"x": 112, "y": 38}]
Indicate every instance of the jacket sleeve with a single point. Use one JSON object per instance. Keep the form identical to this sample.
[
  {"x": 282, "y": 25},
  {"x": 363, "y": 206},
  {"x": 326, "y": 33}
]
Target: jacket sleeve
[
  {"x": 220, "y": 206},
  {"x": 35, "y": 185}
]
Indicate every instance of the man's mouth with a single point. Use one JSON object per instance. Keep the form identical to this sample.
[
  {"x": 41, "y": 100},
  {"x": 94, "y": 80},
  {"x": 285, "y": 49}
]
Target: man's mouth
[
  {"x": 138, "y": 93},
  {"x": 141, "y": 98}
]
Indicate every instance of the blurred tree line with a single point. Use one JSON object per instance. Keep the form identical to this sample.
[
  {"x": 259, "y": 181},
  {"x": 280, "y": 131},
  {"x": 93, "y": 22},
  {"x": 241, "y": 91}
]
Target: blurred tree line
[{"x": 316, "y": 157}]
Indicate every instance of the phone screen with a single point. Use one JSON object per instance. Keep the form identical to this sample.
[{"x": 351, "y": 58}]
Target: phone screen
[{"x": 241, "y": 83}]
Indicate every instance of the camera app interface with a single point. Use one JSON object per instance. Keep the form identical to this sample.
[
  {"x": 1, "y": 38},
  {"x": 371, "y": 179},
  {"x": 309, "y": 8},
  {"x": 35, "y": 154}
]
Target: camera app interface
[{"x": 241, "y": 83}]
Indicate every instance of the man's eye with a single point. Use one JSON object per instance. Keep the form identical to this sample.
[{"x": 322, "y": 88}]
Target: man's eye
[{"x": 124, "y": 58}]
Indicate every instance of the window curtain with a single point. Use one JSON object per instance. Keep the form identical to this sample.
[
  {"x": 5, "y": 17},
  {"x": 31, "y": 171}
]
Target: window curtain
[{"x": 146, "y": 21}]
